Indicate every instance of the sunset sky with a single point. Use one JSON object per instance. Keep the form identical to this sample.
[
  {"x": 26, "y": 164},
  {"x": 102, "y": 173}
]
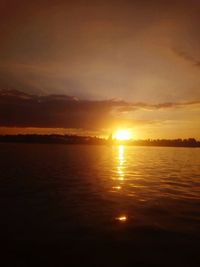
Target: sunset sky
[{"x": 90, "y": 67}]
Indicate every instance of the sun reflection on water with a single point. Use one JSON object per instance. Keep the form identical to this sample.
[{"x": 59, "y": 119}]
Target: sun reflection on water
[
  {"x": 121, "y": 154},
  {"x": 120, "y": 172},
  {"x": 120, "y": 167},
  {"x": 122, "y": 218},
  {"x": 116, "y": 187}
]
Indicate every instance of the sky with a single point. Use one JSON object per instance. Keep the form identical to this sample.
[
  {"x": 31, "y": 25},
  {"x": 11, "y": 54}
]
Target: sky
[{"x": 93, "y": 66}]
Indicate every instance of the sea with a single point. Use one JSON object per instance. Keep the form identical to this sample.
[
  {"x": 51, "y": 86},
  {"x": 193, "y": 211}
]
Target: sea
[{"x": 95, "y": 205}]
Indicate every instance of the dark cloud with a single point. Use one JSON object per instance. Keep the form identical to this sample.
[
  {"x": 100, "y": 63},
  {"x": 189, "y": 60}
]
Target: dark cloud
[
  {"x": 25, "y": 110},
  {"x": 19, "y": 109}
]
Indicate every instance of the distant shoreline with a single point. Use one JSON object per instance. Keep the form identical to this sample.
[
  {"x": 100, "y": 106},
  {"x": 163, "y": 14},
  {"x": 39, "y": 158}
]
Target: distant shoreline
[{"x": 88, "y": 140}]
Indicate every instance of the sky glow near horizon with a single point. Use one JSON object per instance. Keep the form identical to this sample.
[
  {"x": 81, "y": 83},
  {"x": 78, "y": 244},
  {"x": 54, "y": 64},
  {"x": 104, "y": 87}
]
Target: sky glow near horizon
[{"x": 121, "y": 64}]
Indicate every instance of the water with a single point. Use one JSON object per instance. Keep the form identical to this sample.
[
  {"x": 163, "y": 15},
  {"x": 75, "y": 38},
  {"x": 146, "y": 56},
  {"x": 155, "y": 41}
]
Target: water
[{"x": 102, "y": 203}]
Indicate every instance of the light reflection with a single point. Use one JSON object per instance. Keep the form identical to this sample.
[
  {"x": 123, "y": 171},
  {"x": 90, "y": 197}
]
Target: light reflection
[
  {"x": 116, "y": 187},
  {"x": 120, "y": 166},
  {"x": 121, "y": 218},
  {"x": 120, "y": 177},
  {"x": 121, "y": 154}
]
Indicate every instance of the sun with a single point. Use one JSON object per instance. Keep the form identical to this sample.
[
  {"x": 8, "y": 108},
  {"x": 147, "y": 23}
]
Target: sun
[{"x": 122, "y": 134}]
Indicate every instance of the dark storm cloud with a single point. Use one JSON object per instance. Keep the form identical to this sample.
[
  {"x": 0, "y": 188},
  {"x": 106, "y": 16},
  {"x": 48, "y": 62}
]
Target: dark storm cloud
[
  {"x": 25, "y": 110},
  {"x": 20, "y": 109}
]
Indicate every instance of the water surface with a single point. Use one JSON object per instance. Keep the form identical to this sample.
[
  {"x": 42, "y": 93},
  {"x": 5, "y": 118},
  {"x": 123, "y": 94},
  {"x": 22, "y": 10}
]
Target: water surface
[{"x": 119, "y": 200}]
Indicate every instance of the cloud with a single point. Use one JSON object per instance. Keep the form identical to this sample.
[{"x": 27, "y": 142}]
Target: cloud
[
  {"x": 19, "y": 109},
  {"x": 25, "y": 110},
  {"x": 146, "y": 106},
  {"x": 186, "y": 56}
]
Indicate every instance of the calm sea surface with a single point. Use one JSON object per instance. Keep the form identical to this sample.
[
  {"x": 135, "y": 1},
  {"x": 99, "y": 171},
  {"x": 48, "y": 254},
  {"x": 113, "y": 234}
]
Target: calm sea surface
[{"x": 142, "y": 198}]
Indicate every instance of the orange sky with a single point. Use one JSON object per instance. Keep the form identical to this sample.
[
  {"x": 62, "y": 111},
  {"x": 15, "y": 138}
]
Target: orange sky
[{"x": 119, "y": 63}]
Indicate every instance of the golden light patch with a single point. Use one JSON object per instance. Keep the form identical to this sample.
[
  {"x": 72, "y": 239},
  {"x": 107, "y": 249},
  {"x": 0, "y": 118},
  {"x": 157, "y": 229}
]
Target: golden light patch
[
  {"x": 122, "y": 218},
  {"x": 122, "y": 134}
]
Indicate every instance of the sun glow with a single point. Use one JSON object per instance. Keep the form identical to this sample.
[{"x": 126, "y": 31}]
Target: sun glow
[{"x": 122, "y": 134}]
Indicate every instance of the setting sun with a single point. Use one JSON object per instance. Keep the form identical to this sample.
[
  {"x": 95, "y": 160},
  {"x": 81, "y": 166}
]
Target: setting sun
[{"x": 122, "y": 134}]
